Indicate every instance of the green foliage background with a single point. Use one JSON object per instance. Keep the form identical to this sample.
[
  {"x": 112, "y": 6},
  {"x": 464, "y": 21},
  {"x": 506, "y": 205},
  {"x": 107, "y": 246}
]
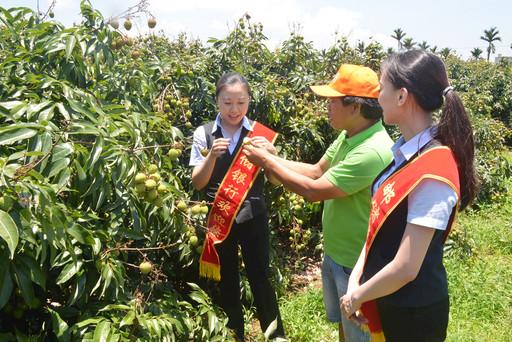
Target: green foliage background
[{"x": 84, "y": 108}]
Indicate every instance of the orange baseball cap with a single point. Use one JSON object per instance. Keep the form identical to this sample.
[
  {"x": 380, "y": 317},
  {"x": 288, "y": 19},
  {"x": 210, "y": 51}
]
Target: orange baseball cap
[{"x": 351, "y": 80}]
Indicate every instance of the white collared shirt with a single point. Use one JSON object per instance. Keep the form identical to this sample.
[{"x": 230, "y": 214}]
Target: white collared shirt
[
  {"x": 199, "y": 140},
  {"x": 431, "y": 203}
]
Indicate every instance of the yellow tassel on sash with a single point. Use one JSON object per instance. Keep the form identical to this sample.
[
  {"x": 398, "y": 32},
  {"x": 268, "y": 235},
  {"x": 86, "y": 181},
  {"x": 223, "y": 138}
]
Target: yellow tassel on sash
[
  {"x": 209, "y": 270},
  {"x": 378, "y": 337}
]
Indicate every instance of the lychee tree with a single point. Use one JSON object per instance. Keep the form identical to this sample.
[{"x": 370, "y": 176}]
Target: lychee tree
[{"x": 90, "y": 253}]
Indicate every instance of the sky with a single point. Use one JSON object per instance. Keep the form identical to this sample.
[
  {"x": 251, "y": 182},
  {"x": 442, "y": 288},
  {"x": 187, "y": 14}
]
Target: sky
[{"x": 444, "y": 23}]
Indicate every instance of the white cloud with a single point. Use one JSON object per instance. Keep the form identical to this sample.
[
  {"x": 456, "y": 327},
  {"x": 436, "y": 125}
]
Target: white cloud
[
  {"x": 203, "y": 19},
  {"x": 215, "y": 18}
]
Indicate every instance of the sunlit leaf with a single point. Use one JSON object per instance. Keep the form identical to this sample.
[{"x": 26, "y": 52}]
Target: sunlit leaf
[{"x": 9, "y": 231}]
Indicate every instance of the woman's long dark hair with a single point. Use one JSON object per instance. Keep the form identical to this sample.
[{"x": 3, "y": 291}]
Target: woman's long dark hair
[{"x": 424, "y": 75}]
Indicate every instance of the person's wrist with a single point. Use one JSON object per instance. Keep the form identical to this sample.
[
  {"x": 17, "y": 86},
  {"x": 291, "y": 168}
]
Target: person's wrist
[
  {"x": 211, "y": 156},
  {"x": 355, "y": 298},
  {"x": 266, "y": 162}
]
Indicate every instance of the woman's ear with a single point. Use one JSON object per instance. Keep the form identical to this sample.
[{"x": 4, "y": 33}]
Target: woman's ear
[{"x": 402, "y": 96}]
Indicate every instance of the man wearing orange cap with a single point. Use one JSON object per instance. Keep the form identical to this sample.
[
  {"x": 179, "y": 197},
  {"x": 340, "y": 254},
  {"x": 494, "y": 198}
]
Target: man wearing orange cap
[{"x": 341, "y": 178}]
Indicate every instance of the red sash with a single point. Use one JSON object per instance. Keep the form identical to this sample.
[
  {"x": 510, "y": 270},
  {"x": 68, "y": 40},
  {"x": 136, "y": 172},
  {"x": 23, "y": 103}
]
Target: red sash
[
  {"x": 436, "y": 163},
  {"x": 228, "y": 200}
]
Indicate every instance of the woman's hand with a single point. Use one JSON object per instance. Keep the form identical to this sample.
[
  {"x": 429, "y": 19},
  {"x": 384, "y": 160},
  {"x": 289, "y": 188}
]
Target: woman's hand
[
  {"x": 350, "y": 307},
  {"x": 219, "y": 147},
  {"x": 262, "y": 142}
]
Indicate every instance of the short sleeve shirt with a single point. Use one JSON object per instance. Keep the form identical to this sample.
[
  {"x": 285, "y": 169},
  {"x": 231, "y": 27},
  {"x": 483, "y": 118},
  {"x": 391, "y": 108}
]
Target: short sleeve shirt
[
  {"x": 430, "y": 204},
  {"x": 199, "y": 139},
  {"x": 354, "y": 162}
]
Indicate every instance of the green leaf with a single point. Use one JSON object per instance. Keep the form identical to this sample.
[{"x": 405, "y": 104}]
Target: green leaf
[
  {"x": 46, "y": 114},
  {"x": 17, "y": 155},
  {"x": 79, "y": 108},
  {"x": 82, "y": 127},
  {"x": 198, "y": 297},
  {"x": 70, "y": 45},
  {"x": 5, "y": 284},
  {"x": 60, "y": 327},
  {"x": 212, "y": 321},
  {"x": 81, "y": 234},
  {"x": 96, "y": 152},
  {"x": 101, "y": 332},
  {"x": 9, "y": 231},
  {"x": 79, "y": 288},
  {"x": 96, "y": 246},
  {"x": 69, "y": 271},
  {"x": 114, "y": 337},
  {"x": 10, "y": 170},
  {"x": 128, "y": 319},
  {"x": 24, "y": 283},
  {"x": 14, "y": 135},
  {"x": 102, "y": 196},
  {"x": 12, "y": 104},
  {"x": 61, "y": 151},
  {"x": 34, "y": 269},
  {"x": 89, "y": 321},
  {"x": 34, "y": 108},
  {"x": 156, "y": 327},
  {"x": 63, "y": 178},
  {"x": 58, "y": 166},
  {"x": 82, "y": 176},
  {"x": 63, "y": 111},
  {"x": 110, "y": 307}
]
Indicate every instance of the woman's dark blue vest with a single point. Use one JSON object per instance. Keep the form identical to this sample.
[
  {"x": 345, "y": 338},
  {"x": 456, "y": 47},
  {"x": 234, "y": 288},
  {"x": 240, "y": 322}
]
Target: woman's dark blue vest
[
  {"x": 430, "y": 286},
  {"x": 254, "y": 203}
]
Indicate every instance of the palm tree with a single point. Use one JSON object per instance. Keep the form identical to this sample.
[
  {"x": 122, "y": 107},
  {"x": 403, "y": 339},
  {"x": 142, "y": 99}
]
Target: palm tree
[
  {"x": 423, "y": 45},
  {"x": 399, "y": 34},
  {"x": 433, "y": 49},
  {"x": 361, "y": 47},
  {"x": 445, "y": 52},
  {"x": 408, "y": 43},
  {"x": 491, "y": 36},
  {"x": 476, "y": 53}
]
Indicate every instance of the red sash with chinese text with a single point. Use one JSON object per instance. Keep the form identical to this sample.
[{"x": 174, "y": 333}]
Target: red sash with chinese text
[
  {"x": 436, "y": 163},
  {"x": 228, "y": 200}
]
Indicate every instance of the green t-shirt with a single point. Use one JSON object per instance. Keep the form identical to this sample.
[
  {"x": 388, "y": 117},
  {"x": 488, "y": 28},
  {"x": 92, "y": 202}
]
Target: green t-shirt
[{"x": 353, "y": 165}]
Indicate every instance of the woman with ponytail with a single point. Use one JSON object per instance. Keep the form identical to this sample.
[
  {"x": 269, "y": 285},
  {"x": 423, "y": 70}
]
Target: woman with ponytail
[{"x": 398, "y": 288}]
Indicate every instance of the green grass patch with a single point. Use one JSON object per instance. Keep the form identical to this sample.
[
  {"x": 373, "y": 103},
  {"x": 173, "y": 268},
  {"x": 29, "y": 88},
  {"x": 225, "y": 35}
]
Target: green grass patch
[
  {"x": 304, "y": 317},
  {"x": 481, "y": 284}
]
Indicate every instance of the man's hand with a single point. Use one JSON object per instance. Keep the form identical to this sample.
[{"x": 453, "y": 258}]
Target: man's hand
[
  {"x": 261, "y": 142},
  {"x": 256, "y": 155}
]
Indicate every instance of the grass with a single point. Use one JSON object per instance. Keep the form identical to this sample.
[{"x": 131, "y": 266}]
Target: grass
[
  {"x": 480, "y": 283},
  {"x": 304, "y": 317}
]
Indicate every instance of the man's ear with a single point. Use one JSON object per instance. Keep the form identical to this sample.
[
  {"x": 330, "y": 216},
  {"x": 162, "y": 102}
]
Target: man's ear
[{"x": 357, "y": 107}]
